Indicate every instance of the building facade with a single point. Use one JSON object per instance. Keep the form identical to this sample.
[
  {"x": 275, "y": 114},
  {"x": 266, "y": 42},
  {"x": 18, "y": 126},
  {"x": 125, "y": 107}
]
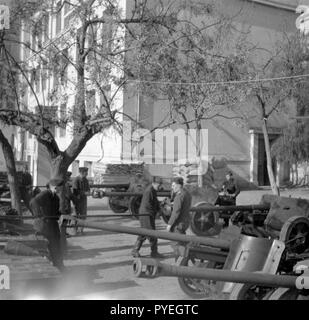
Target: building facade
[
  {"x": 8, "y": 131},
  {"x": 241, "y": 147}
]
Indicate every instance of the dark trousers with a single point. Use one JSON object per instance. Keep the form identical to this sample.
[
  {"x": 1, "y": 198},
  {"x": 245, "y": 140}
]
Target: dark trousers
[
  {"x": 81, "y": 209},
  {"x": 148, "y": 223},
  {"x": 141, "y": 239},
  {"x": 181, "y": 229},
  {"x": 52, "y": 233}
]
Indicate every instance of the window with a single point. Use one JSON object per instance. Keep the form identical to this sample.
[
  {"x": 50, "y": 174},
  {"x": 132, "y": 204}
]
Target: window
[
  {"x": 37, "y": 81},
  {"x": 45, "y": 23},
  {"x": 107, "y": 34},
  {"x": 68, "y": 13},
  {"x": 64, "y": 67},
  {"x": 63, "y": 114},
  {"x": 44, "y": 79},
  {"x": 90, "y": 101},
  {"x": 58, "y": 17},
  {"x": 33, "y": 40},
  {"x": 33, "y": 78}
]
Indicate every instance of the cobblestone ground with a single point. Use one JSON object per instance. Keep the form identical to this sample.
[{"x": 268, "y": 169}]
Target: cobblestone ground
[{"x": 100, "y": 264}]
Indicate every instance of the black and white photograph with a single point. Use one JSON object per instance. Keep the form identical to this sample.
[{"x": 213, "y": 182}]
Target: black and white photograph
[{"x": 154, "y": 154}]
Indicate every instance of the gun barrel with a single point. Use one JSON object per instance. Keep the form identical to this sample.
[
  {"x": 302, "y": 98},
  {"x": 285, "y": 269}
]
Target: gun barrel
[
  {"x": 211, "y": 242},
  {"x": 133, "y": 194},
  {"x": 262, "y": 279},
  {"x": 110, "y": 185},
  {"x": 260, "y": 207}
]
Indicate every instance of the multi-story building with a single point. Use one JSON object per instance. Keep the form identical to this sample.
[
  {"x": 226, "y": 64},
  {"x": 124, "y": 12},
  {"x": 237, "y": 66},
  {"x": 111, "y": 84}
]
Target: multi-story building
[
  {"x": 242, "y": 147},
  {"x": 8, "y": 131}
]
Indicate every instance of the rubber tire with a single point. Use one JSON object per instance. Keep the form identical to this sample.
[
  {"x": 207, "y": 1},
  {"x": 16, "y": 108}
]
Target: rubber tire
[
  {"x": 182, "y": 282},
  {"x": 134, "y": 204},
  {"x": 114, "y": 207}
]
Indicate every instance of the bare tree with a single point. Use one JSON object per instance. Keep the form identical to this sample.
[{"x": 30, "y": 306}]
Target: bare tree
[{"x": 99, "y": 45}]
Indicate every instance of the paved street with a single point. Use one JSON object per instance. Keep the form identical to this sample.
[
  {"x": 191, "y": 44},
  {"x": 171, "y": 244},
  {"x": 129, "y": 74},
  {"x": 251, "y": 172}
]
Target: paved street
[{"x": 100, "y": 263}]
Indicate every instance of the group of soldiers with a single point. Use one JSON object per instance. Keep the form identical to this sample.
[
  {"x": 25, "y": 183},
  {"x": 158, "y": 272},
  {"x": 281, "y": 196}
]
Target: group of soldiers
[
  {"x": 48, "y": 206},
  {"x": 180, "y": 217}
]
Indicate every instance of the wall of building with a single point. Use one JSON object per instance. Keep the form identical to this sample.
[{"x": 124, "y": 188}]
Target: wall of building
[
  {"x": 9, "y": 131},
  {"x": 230, "y": 141},
  {"x": 227, "y": 140}
]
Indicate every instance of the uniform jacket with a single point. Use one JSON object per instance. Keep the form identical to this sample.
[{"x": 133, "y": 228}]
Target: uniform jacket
[
  {"x": 181, "y": 209},
  {"x": 230, "y": 186},
  {"x": 24, "y": 179},
  {"x": 45, "y": 204},
  {"x": 149, "y": 205},
  {"x": 80, "y": 187}
]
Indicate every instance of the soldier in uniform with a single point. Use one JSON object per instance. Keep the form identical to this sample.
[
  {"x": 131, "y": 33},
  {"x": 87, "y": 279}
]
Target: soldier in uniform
[
  {"x": 25, "y": 186},
  {"x": 149, "y": 205},
  {"x": 229, "y": 192},
  {"x": 81, "y": 190},
  {"x": 45, "y": 207},
  {"x": 180, "y": 217},
  {"x": 65, "y": 209},
  {"x": 230, "y": 189}
]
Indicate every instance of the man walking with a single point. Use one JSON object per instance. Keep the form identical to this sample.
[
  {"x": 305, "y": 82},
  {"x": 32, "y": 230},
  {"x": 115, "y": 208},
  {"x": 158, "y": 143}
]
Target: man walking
[
  {"x": 230, "y": 189},
  {"x": 229, "y": 192},
  {"x": 150, "y": 206},
  {"x": 45, "y": 207},
  {"x": 81, "y": 190},
  {"x": 180, "y": 217},
  {"x": 25, "y": 186},
  {"x": 65, "y": 209}
]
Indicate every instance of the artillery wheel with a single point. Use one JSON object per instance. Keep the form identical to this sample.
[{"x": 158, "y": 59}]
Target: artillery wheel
[
  {"x": 115, "y": 207},
  {"x": 284, "y": 294},
  {"x": 134, "y": 204},
  {"x": 137, "y": 267},
  {"x": 197, "y": 288},
  {"x": 295, "y": 234},
  {"x": 205, "y": 223},
  {"x": 249, "y": 292}
]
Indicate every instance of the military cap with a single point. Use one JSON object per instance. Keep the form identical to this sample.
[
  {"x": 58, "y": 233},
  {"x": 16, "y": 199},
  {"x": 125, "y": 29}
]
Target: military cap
[
  {"x": 83, "y": 169},
  {"x": 57, "y": 182},
  {"x": 178, "y": 180}
]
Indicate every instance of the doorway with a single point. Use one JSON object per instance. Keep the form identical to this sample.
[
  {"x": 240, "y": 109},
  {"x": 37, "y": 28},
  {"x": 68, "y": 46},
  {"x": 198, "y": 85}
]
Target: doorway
[{"x": 263, "y": 179}]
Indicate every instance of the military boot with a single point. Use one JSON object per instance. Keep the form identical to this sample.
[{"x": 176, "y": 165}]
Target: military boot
[
  {"x": 154, "y": 249},
  {"x": 137, "y": 246},
  {"x": 156, "y": 255}
]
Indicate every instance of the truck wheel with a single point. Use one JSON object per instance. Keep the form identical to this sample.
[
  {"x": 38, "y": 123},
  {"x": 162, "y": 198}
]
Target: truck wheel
[{"x": 115, "y": 207}]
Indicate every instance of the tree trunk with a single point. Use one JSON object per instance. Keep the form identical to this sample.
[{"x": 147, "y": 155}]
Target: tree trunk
[
  {"x": 270, "y": 171},
  {"x": 59, "y": 168},
  {"x": 11, "y": 171}
]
